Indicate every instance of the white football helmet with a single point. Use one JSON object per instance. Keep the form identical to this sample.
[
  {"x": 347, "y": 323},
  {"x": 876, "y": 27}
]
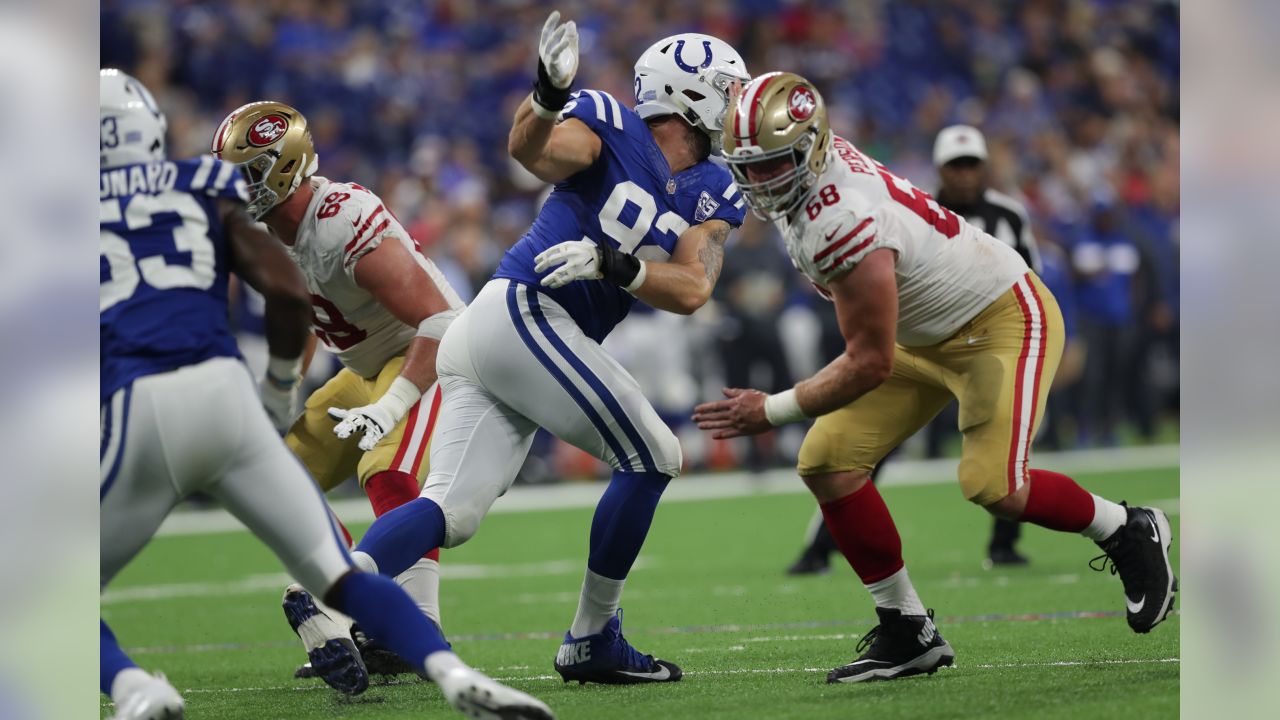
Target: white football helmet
[
  {"x": 131, "y": 122},
  {"x": 689, "y": 75}
]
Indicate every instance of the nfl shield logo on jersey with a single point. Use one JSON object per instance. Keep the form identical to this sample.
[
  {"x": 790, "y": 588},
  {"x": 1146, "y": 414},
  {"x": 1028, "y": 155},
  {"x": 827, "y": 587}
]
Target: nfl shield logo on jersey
[{"x": 706, "y": 207}]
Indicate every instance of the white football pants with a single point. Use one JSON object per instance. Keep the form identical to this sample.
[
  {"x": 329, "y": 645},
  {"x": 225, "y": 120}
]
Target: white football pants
[
  {"x": 513, "y": 361},
  {"x": 201, "y": 428}
]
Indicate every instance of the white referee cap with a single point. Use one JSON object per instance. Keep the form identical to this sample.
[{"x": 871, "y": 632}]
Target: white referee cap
[{"x": 959, "y": 141}]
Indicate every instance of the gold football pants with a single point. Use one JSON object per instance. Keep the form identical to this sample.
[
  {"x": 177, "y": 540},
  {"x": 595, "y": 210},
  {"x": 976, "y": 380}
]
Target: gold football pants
[{"x": 999, "y": 366}]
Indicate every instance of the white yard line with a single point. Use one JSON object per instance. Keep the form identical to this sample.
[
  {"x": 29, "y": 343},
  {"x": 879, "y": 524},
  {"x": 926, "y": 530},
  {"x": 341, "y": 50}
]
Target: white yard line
[
  {"x": 314, "y": 686},
  {"x": 254, "y": 584},
  {"x": 707, "y": 486}
]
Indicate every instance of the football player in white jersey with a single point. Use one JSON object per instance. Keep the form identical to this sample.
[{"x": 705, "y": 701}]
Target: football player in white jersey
[
  {"x": 172, "y": 231},
  {"x": 931, "y": 308},
  {"x": 379, "y": 304}
]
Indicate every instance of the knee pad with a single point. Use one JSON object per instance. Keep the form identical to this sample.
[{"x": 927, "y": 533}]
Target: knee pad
[
  {"x": 983, "y": 482},
  {"x": 460, "y": 523},
  {"x": 668, "y": 457}
]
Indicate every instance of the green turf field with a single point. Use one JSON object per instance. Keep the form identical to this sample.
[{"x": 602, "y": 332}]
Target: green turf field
[{"x": 1048, "y": 641}]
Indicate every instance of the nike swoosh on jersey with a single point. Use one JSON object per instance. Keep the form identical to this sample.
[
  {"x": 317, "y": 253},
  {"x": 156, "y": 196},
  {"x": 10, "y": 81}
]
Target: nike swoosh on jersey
[
  {"x": 663, "y": 673},
  {"x": 833, "y": 233},
  {"x": 356, "y": 223},
  {"x": 1135, "y": 607}
]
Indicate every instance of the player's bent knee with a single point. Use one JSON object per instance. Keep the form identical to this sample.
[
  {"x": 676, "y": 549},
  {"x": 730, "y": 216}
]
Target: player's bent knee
[
  {"x": 668, "y": 457},
  {"x": 983, "y": 483},
  {"x": 1010, "y": 506},
  {"x": 460, "y": 523},
  {"x": 829, "y": 487}
]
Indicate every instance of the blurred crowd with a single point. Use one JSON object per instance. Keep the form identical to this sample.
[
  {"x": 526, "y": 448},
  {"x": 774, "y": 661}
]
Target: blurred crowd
[{"x": 413, "y": 98}]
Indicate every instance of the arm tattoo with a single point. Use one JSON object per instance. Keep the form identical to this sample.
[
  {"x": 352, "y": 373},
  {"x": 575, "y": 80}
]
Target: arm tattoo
[{"x": 711, "y": 255}]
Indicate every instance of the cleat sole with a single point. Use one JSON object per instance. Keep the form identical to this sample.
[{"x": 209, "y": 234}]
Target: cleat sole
[{"x": 925, "y": 664}]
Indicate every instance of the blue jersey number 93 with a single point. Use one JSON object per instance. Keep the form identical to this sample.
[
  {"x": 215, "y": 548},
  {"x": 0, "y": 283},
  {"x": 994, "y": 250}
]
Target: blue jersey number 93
[{"x": 629, "y": 237}]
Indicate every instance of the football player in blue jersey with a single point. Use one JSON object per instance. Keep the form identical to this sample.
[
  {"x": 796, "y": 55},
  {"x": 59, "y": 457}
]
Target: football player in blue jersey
[
  {"x": 172, "y": 232},
  {"x": 639, "y": 212}
]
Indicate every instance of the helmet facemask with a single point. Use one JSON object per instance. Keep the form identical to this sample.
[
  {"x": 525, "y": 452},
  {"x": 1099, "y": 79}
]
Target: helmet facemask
[
  {"x": 779, "y": 191},
  {"x": 255, "y": 172},
  {"x": 719, "y": 81}
]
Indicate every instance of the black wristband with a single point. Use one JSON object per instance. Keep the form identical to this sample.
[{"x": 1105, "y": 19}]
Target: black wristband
[
  {"x": 618, "y": 267},
  {"x": 547, "y": 95}
]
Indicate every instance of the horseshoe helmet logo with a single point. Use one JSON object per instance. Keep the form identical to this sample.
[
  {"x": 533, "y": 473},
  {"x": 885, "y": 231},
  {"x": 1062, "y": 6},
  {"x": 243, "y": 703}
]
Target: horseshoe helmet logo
[
  {"x": 680, "y": 63},
  {"x": 268, "y": 130},
  {"x": 801, "y": 104}
]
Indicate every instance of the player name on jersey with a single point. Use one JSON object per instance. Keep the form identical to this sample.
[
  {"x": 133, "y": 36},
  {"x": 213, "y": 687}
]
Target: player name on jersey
[{"x": 947, "y": 269}]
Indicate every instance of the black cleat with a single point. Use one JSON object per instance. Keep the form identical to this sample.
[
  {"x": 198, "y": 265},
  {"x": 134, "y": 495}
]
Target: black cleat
[
  {"x": 378, "y": 659},
  {"x": 1004, "y": 556},
  {"x": 810, "y": 565},
  {"x": 900, "y": 646},
  {"x": 1139, "y": 553}
]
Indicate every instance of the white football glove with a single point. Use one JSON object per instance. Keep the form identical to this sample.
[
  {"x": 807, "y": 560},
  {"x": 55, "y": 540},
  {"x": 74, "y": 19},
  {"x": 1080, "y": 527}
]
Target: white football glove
[
  {"x": 280, "y": 403},
  {"x": 558, "y": 50},
  {"x": 578, "y": 260},
  {"x": 379, "y": 418},
  {"x": 374, "y": 420}
]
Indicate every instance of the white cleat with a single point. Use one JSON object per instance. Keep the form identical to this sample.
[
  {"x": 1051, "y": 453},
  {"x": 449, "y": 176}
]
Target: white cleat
[
  {"x": 477, "y": 695},
  {"x": 147, "y": 698}
]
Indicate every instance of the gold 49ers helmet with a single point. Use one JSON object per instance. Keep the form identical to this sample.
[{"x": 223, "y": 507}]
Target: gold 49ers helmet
[
  {"x": 271, "y": 144},
  {"x": 776, "y": 139}
]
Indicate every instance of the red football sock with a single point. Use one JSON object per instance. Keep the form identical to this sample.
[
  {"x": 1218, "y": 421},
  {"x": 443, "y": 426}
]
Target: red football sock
[
  {"x": 1057, "y": 502},
  {"x": 389, "y": 490},
  {"x": 865, "y": 533}
]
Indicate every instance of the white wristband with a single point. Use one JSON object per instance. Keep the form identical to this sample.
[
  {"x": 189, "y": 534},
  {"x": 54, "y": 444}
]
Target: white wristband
[
  {"x": 400, "y": 397},
  {"x": 782, "y": 408},
  {"x": 639, "y": 279},
  {"x": 544, "y": 113},
  {"x": 284, "y": 372}
]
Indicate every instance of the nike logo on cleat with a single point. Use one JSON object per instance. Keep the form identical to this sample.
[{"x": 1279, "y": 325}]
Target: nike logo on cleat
[
  {"x": 1155, "y": 529},
  {"x": 572, "y": 654},
  {"x": 662, "y": 673},
  {"x": 927, "y": 634},
  {"x": 1135, "y": 607}
]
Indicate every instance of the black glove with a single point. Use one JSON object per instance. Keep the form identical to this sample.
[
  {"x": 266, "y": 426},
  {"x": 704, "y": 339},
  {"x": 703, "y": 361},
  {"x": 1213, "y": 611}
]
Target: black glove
[{"x": 618, "y": 267}]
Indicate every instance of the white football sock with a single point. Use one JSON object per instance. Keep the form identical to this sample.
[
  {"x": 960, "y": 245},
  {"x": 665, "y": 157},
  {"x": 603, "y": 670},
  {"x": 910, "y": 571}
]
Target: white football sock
[
  {"x": 364, "y": 562},
  {"x": 342, "y": 619},
  {"x": 126, "y": 682},
  {"x": 896, "y": 593},
  {"x": 422, "y": 583},
  {"x": 441, "y": 663},
  {"x": 597, "y": 604},
  {"x": 1108, "y": 517}
]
